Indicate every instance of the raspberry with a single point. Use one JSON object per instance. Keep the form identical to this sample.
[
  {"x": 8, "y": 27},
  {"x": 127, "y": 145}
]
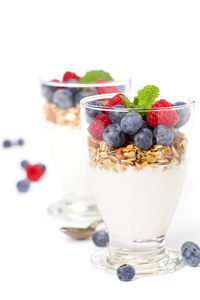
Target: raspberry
[
  {"x": 34, "y": 172},
  {"x": 106, "y": 89},
  {"x": 70, "y": 75},
  {"x": 162, "y": 117},
  {"x": 116, "y": 100},
  {"x": 56, "y": 80},
  {"x": 97, "y": 127}
]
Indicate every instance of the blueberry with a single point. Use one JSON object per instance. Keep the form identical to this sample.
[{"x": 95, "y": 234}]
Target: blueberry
[
  {"x": 42, "y": 166},
  {"x": 74, "y": 89},
  {"x": 121, "y": 88},
  {"x": 47, "y": 91},
  {"x": 114, "y": 136},
  {"x": 191, "y": 254},
  {"x": 24, "y": 163},
  {"x": 175, "y": 132},
  {"x": 125, "y": 272},
  {"x": 163, "y": 135},
  {"x": 131, "y": 123},
  {"x": 20, "y": 142},
  {"x": 79, "y": 96},
  {"x": 7, "y": 143},
  {"x": 100, "y": 238},
  {"x": 144, "y": 139},
  {"x": 183, "y": 113},
  {"x": 63, "y": 98},
  {"x": 23, "y": 185},
  {"x": 85, "y": 93},
  {"x": 92, "y": 113},
  {"x": 117, "y": 115}
]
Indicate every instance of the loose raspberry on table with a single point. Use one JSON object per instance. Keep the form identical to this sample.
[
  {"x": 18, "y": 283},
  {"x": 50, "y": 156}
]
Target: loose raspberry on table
[
  {"x": 106, "y": 89},
  {"x": 34, "y": 172},
  {"x": 162, "y": 117},
  {"x": 97, "y": 127},
  {"x": 70, "y": 75}
]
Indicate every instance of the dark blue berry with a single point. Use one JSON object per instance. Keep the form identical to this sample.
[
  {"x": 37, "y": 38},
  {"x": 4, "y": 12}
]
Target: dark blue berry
[
  {"x": 175, "y": 132},
  {"x": 163, "y": 135},
  {"x": 121, "y": 89},
  {"x": 87, "y": 92},
  {"x": 74, "y": 89},
  {"x": 63, "y": 98},
  {"x": 191, "y": 254},
  {"x": 144, "y": 139},
  {"x": 116, "y": 115},
  {"x": 131, "y": 123},
  {"x": 25, "y": 163},
  {"x": 79, "y": 96},
  {"x": 20, "y": 142},
  {"x": 125, "y": 273},
  {"x": 114, "y": 136},
  {"x": 23, "y": 185},
  {"x": 100, "y": 238},
  {"x": 47, "y": 91},
  {"x": 91, "y": 113},
  {"x": 183, "y": 113},
  {"x": 7, "y": 143},
  {"x": 43, "y": 166}
]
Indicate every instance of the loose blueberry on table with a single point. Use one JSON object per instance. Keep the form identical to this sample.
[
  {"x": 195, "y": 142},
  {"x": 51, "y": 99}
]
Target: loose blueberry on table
[
  {"x": 126, "y": 272},
  {"x": 100, "y": 238},
  {"x": 191, "y": 254}
]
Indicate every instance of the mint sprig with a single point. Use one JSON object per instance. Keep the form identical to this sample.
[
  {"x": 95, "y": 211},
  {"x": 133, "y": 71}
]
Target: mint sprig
[
  {"x": 145, "y": 99},
  {"x": 93, "y": 76}
]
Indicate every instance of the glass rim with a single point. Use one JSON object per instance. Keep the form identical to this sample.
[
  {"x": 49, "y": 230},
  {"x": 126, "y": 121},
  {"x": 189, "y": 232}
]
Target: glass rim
[
  {"x": 85, "y": 102},
  {"x": 85, "y": 85}
]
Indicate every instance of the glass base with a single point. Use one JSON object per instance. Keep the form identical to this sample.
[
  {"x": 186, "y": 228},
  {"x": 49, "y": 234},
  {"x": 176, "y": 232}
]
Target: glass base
[
  {"x": 147, "y": 261},
  {"x": 74, "y": 208}
]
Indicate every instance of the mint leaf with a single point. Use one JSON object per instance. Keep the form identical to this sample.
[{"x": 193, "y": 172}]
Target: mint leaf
[
  {"x": 126, "y": 102},
  {"x": 145, "y": 99},
  {"x": 147, "y": 96},
  {"x": 93, "y": 76}
]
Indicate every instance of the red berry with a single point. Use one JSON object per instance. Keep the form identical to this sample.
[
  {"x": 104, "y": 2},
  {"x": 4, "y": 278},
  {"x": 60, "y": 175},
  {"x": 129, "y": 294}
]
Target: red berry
[
  {"x": 70, "y": 75},
  {"x": 56, "y": 80},
  {"x": 34, "y": 172},
  {"x": 116, "y": 100},
  {"x": 162, "y": 117},
  {"x": 97, "y": 127},
  {"x": 106, "y": 89}
]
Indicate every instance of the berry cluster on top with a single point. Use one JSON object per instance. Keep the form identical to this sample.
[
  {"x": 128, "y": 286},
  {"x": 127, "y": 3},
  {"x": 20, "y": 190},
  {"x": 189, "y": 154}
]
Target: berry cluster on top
[
  {"x": 65, "y": 97},
  {"x": 146, "y": 122}
]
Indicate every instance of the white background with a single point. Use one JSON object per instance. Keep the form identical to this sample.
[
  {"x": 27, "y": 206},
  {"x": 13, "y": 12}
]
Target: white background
[{"x": 154, "y": 42}]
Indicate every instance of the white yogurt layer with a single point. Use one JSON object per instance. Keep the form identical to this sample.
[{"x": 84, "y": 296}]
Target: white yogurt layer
[
  {"x": 67, "y": 151},
  {"x": 137, "y": 205}
]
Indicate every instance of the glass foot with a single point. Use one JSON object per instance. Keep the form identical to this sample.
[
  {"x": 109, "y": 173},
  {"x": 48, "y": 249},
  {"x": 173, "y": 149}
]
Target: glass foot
[
  {"x": 74, "y": 208},
  {"x": 163, "y": 262}
]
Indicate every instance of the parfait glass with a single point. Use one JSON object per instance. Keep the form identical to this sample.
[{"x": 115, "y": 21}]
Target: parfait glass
[
  {"x": 63, "y": 132},
  {"x": 137, "y": 191}
]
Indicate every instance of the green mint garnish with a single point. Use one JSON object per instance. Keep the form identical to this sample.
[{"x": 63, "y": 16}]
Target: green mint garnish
[
  {"x": 93, "y": 76},
  {"x": 145, "y": 99}
]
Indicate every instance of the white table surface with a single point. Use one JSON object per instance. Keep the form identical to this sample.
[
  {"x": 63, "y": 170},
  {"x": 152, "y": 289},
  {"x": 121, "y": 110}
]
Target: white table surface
[{"x": 39, "y": 262}]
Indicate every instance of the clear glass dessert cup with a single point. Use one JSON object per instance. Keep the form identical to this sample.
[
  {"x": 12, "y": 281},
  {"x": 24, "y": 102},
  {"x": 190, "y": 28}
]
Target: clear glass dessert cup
[
  {"x": 63, "y": 131},
  {"x": 137, "y": 191}
]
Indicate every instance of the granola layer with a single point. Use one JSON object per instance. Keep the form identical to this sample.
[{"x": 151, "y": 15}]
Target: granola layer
[
  {"x": 68, "y": 117},
  {"x": 131, "y": 156}
]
